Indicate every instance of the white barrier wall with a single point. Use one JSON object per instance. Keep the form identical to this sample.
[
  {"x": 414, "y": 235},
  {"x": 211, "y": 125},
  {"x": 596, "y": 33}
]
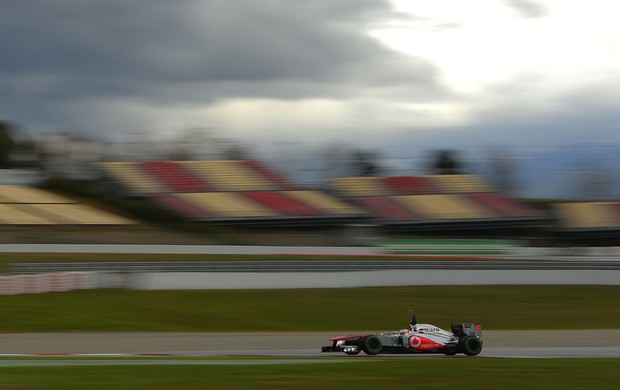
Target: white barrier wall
[
  {"x": 264, "y": 280},
  {"x": 59, "y": 281},
  {"x": 69, "y": 281}
]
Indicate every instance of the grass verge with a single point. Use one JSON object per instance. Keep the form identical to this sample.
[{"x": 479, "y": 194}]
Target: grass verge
[
  {"x": 371, "y": 374},
  {"x": 495, "y": 307}
]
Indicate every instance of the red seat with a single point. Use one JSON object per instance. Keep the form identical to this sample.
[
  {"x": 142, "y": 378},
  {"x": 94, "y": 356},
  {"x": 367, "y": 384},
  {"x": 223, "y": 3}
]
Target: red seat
[
  {"x": 282, "y": 203},
  {"x": 501, "y": 205},
  {"x": 408, "y": 185},
  {"x": 386, "y": 208},
  {"x": 174, "y": 176},
  {"x": 281, "y": 182}
]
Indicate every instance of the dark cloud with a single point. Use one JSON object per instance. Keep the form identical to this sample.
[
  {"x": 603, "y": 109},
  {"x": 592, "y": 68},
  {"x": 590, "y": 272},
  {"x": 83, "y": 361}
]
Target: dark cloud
[
  {"x": 195, "y": 51},
  {"x": 529, "y": 8}
]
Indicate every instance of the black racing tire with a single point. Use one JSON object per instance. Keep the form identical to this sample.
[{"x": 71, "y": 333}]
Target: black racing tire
[
  {"x": 471, "y": 345},
  {"x": 371, "y": 345}
]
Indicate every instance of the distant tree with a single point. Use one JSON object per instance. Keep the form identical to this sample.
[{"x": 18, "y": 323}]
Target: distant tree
[
  {"x": 236, "y": 151},
  {"x": 26, "y": 154},
  {"x": 7, "y": 131},
  {"x": 364, "y": 162},
  {"x": 445, "y": 162}
]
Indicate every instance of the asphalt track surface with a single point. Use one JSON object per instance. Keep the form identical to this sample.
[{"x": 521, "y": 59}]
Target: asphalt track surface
[{"x": 497, "y": 344}]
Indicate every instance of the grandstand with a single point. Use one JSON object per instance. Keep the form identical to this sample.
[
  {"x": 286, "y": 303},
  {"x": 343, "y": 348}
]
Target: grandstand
[
  {"x": 588, "y": 215},
  {"x": 585, "y": 223},
  {"x": 24, "y": 205},
  {"x": 434, "y": 202},
  {"x": 229, "y": 191},
  {"x": 249, "y": 192}
]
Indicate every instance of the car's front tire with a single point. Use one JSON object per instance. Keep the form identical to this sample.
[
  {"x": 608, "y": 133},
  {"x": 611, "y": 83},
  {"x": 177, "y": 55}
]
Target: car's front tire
[{"x": 371, "y": 345}]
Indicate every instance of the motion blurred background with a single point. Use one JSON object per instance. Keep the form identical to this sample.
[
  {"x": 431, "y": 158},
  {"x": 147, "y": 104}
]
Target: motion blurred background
[
  {"x": 202, "y": 188},
  {"x": 325, "y": 123}
]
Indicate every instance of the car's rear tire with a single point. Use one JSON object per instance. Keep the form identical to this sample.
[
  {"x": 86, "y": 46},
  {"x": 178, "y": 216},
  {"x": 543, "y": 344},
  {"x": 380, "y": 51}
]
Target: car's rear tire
[
  {"x": 371, "y": 345},
  {"x": 471, "y": 345}
]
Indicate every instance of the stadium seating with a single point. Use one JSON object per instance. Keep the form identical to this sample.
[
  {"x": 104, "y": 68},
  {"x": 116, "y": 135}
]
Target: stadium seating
[
  {"x": 409, "y": 185},
  {"x": 284, "y": 204},
  {"x": 175, "y": 177},
  {"x": 588, "y": 215},
  {"x": 502, "y": 206},
  {"x": 443, "y": 206},
  {"x": 22, "y": 205},
  {"x": 227, "y": 205},
  {"x": 228, "y": 175},
  {"x": 11, "y": 214},
  {"x": 279, "y": 180},
  {"x": 326, "y": 203},
  {"x": 231, "y": 191},
  {"x": 22, "y": 194},
  {"x": 420, "y": 200},
  {"x": 387, "y": 207},
  {"x": 459, "y": 184},
  {"x": 134, "y": 178}
]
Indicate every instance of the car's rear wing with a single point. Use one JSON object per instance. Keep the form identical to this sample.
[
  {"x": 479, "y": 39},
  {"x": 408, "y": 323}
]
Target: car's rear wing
[{"x": 467, "y": 329}]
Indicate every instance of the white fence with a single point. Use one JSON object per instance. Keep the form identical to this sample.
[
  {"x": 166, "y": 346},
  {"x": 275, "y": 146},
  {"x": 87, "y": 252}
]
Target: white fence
[
  {"x": 60, "y": 281},
  {"x": 421, "y": 277},
  {"x": 69, "y": 281}
]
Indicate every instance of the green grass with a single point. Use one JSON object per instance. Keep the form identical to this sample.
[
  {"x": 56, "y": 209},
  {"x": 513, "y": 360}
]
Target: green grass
[
  {"x": 496, "y": 307},
  {"x": 370, "y": 374}
]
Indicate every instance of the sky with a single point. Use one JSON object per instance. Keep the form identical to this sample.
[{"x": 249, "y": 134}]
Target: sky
[{"x": 370, "y": 73}]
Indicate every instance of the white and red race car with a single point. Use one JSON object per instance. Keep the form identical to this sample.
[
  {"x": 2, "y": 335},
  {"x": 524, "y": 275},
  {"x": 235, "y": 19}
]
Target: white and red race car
[{"x": 419, "y": 338}]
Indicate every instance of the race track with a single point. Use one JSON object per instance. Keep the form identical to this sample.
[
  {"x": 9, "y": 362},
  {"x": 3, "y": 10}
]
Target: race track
[{"x": 498, "y": 344}]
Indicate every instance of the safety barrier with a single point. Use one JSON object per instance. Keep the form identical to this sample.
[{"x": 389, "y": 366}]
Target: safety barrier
[
  {"x": 449, "y": 246},
  {"x": 422, "y": 277},
  {"x": 59, "y": 281},
  {"x": 275, "y": 266}
]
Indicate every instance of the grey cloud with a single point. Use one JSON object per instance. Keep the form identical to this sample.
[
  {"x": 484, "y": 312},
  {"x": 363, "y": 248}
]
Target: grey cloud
[
  {"x": 196, "y": 51},
  {"x": 528, "y": 8},
  {"x": 119, "y": 42}
]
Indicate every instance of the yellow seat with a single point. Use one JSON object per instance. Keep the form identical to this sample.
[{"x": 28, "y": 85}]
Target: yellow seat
[
  {"x": 443, "y": 206},
  {"x": 23, "y": 194},
  {"x": 11, "y": 214},
  {"x": 228, "y": 175},
  {"x": 132, "y": 176},
  {"x": 460, "y": 184},
  {"x": 226, "y": 204},
  {"x": 324, "y": 202},
  {"x": 587, "y": 215}
]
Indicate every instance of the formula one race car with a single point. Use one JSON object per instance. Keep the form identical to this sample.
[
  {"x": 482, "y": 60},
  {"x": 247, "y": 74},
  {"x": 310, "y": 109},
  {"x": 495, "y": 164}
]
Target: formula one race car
[{"x": 419, "y": 338}]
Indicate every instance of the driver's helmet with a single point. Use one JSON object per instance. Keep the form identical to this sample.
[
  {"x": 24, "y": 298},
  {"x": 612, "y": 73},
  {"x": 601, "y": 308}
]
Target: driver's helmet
[{"x": 405, "y": 331}]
